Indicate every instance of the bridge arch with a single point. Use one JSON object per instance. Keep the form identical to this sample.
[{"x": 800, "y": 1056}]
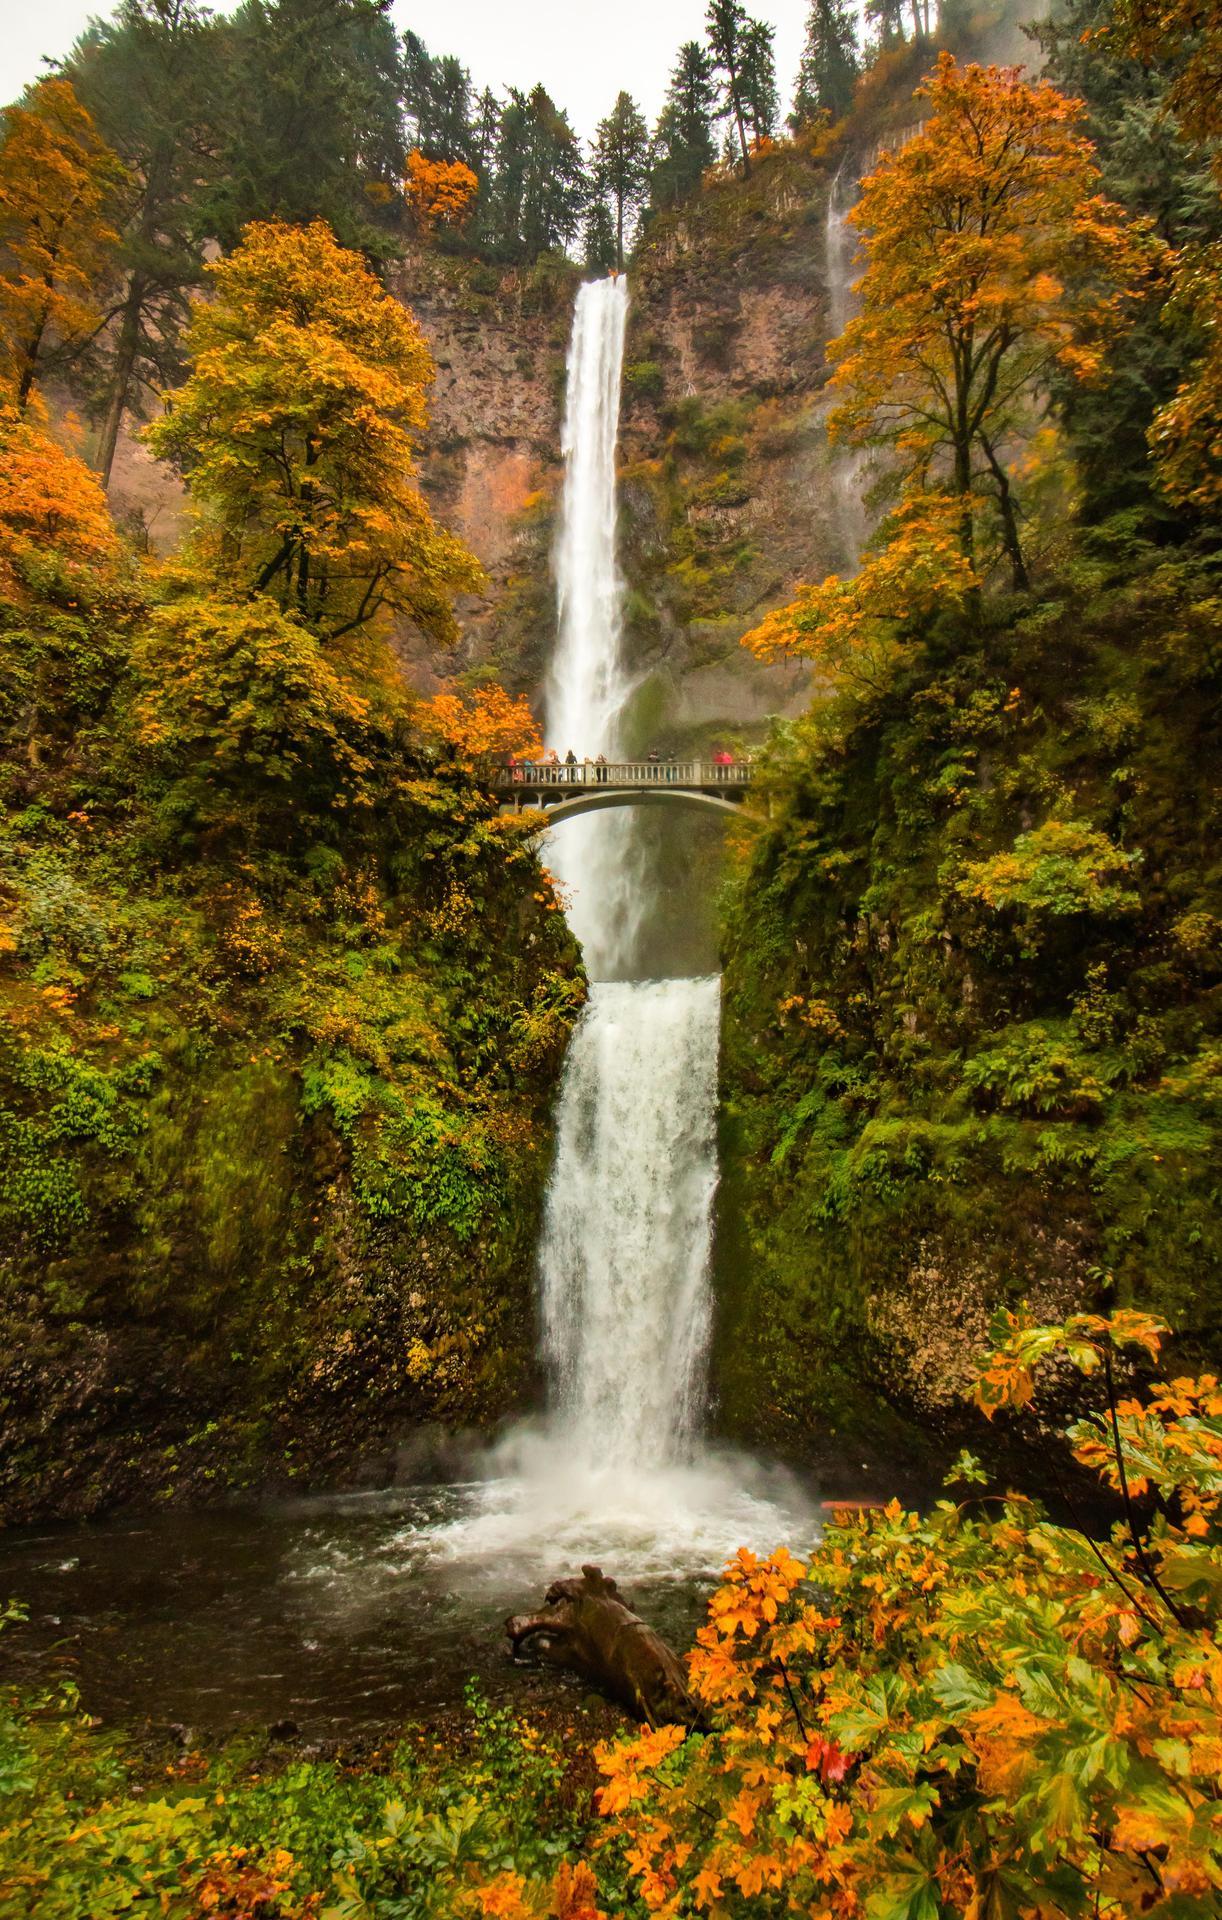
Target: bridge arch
[{"x": 593, "y": 800}]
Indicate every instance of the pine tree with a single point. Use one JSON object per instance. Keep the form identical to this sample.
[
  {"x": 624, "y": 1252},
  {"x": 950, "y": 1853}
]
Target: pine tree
[
  {"x": 540, "y": 189},
  {"x": 311, "y": 116},
  {"x": 683, "y": 140},
  {"x": 886, "y": 18},
  {"x": 761, "y": 101},
  {"x": 1152, "y": 170},
  {"x": 599, "y": 241},
  {"x": 620, "y": 173},
  {"x": 486, "y": 127},
  {"x": 831, "y": 62},
  {"x": 437, "y": 102},
  {"x": 145, "y": 76},
  {"x": 726, "y": 23}
]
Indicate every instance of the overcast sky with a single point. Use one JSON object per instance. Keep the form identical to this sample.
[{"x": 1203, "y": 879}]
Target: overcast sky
[{"x": 584, "y": 51}]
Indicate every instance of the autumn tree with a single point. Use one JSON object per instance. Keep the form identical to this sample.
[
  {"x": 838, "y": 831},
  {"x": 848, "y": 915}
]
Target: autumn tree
[
  {"x": 146, "y": 76},
  {"x": 970, "y": 1711},
  {"x": 990, "y": 261},
  {"x": 51, "y": 509},
  {"x": 830, "y": 64},
  {"x": 439, "y": 192},
  {"x": 296, "y": 432},
  {"x": 683, "y": 139},
  {"x": 481, "y": 725},
  {"x": 58, "y": 183},
  {"x": 1184, "y": 38},
  {"x": 621, "y": 165}
]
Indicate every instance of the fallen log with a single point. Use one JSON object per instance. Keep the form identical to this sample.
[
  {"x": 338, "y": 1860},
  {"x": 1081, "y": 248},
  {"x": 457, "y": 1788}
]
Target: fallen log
[{"x": 585, "y": 1627}]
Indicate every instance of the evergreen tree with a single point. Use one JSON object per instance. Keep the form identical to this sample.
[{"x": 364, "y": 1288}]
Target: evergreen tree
[
  {"x": 540, "y": 189},
  {"x": 145, "y": 76},
  {"x": 311, "y": 116},
  {"x": 831, "y": 62},
  {"x": 683, "y": 141},
  {"x": 886, "y": 18},
  {"x": 485, "y": 130},
  {"x": 620, "y": 173},
  {"x": 599, "y": 245},
  {"x": 727, "y": 22},
  {"x": 417, "y": 71},
  {"x": 437, "y": 102},
  {"x": 761, "y": 101}
]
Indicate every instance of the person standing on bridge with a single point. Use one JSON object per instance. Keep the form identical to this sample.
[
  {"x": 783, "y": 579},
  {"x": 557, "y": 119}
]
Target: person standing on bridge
[
  {"x": 570, "y": 761},
  {"x": 600, "y": 769}
]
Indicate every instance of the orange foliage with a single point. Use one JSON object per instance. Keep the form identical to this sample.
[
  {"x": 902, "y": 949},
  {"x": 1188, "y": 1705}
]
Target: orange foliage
[
  {"x": 57, "y": 179},
  {"x": 297, "y": 430},
  {"x": 855, "y": 629},
  {"x": 439, "y": 192},
  {"x": 481, "y": 724},
  {"x": 48, "y": 501},
  {"x": 990, "y": 262}
]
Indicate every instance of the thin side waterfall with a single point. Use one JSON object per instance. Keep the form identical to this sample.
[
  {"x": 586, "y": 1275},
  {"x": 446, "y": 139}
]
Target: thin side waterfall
[{"x": 849, "y": 465}]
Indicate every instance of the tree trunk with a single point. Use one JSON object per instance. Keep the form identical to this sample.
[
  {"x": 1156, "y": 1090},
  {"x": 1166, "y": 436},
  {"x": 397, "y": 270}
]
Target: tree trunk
[
  {"x": 29, "y": 363},
  {"x": 1009, "y": 520},
  {"x": 586, "y": 1627},
  {"x": 742, "y": 137},
  {"x": 121, "y": 378}
]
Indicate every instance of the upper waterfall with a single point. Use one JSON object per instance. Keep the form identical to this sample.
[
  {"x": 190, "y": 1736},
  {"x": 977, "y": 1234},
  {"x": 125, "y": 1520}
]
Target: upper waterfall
[
  {"x": 586, "y": 686},
  {"x": 589, "y": 683}
]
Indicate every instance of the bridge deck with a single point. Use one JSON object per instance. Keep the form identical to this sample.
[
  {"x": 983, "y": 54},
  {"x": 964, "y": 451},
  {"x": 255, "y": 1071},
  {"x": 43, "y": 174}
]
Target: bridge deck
[{"x": 552, "y": 782}]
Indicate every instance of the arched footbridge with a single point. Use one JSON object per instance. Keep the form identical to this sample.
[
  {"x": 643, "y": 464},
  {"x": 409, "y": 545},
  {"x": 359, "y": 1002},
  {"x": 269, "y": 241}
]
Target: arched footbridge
[{"x": 563, "y": 791}]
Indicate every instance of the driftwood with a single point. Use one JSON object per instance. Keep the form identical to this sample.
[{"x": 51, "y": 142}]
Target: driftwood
[{"x": 586, "y": 1627}]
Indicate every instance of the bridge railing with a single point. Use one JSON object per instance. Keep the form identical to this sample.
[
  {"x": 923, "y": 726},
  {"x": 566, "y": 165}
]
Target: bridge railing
[{"x": 625, "y": 773}]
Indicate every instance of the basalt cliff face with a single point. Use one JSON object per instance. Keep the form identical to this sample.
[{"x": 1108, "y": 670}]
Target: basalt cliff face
[{"x": 727, "y": 482}]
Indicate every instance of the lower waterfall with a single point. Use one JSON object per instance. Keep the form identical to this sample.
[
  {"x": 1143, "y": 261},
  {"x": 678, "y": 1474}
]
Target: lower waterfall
[{"x": 627, "y": 1239}]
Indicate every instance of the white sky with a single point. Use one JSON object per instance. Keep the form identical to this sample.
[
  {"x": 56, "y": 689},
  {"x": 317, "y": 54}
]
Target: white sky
[{"x": 583, "y": 51}]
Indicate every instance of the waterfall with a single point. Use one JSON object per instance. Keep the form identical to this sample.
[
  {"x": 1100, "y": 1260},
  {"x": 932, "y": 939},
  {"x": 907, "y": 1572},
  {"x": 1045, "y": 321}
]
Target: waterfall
[
  {"x": 626, "y": 1247},
  {"x": 617, "y": 1467},
  {"x": 594, "y": 859},
  {"x": 850, "y": 466},
  {"x": 628, "y": 1229}
]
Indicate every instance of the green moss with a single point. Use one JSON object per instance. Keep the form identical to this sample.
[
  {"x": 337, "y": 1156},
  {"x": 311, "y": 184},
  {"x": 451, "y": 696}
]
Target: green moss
[{"x": 963, "y": 1036}]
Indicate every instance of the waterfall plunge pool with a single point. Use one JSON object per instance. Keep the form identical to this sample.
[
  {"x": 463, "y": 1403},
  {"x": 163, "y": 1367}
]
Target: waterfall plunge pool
[{"x": 348, "y": 1613}]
